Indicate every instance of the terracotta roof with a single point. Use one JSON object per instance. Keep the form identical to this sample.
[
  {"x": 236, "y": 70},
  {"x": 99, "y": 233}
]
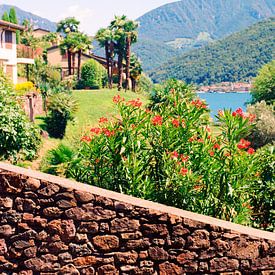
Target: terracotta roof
[
  {"x": 41, "y": 29},
  {"x": 11, "y": 26}
]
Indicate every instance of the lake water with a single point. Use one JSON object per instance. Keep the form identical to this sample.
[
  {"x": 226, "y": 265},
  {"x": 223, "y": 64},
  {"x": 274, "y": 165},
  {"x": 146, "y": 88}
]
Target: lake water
[{"x": 220, "y": 101}]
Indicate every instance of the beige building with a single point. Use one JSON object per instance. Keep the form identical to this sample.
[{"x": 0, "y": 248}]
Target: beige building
[
  {"x": 39, "y": 32},
  {"x": 55, "y": 58},
  {"x": 12, "y": 54}
]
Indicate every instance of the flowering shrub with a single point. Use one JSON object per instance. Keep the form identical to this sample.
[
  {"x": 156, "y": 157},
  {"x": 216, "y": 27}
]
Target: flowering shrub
[
  {"x": 170, "y": 155},
  {"x": 24, "y": 88}
]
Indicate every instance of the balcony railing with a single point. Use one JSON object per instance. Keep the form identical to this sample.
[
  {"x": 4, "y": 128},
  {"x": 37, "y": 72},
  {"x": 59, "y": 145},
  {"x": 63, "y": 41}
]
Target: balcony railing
[{"x": 25, "y": 52}]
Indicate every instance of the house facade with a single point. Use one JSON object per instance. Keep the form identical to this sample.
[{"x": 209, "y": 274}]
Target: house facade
[
  {"x": 12, "y": 54},
  {"x": 55, "y": 58}
]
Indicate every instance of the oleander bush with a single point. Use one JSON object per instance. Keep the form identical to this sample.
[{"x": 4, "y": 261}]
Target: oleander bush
[
  {"x": 19, "y": 138},
  {"x": 171, "y": 156}
]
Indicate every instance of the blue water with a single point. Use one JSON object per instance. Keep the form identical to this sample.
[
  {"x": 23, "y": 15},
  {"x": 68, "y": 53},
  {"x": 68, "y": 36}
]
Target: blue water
[{"x": 220, "y": 101}]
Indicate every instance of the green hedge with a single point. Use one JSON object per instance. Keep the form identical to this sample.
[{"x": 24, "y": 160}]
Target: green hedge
[{"x": 93, "y": 75}]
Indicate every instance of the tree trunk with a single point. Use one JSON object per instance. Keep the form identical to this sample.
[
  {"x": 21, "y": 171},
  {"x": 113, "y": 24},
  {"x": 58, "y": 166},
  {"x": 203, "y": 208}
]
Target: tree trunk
[
  {"x": 134, "y": 84},
  {"x": 107, "y": 53},
  {"x": 128, "y": 55},
  {"x": 120, "y": 70},
  {"x": 73, "y": 55},
  {"x": 111, "y": 52},
  {"x": 78, "y": 64},
  {"x": 69, "y": 62}
]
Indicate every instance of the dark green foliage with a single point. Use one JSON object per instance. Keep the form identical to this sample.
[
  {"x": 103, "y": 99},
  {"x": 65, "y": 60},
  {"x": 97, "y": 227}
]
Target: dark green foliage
[
  {"x": 19, "y": 138},
  {"x": 61, "y": 108},
  {"x": 237, "y": 57},
  {"x": 264, "y": 84},
  {"x": 56, "y": 159},
  {"x": 5, "y": 17},
  {"x": 93, "y": 75},
  {"x": 263, "y": 197},
  {"x": 161, "y": 91},
  {"x": 12, "y": 16}
]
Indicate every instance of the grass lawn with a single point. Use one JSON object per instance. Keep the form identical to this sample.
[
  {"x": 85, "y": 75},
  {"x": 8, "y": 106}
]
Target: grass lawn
[{"x": 92, "y": 104}]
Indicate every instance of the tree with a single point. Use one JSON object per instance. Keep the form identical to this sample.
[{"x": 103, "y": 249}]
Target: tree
[
  {"x": 5, "y": 17},
  {"x": 105, "y": 37},
  {"x": 13, "y": 19},
  {"x": 125, "y": 33},
  {"x": 67, "y": 26},
  {"x": 135, "y": 70},
  {"x": 131, "y": 37},
  {"x": 264, "y": 84}
]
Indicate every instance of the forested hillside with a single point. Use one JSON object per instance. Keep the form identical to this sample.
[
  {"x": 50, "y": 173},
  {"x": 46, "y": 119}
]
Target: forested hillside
[{"x": 235, "y": 58}]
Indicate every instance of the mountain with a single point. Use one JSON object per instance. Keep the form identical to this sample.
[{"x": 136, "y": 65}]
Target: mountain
[
  {"x": 191, "y": 24},
  {"x": 235, "y": 58},
  {"x": 189, "y": 18},
  {"x": 37, "y": 21}
]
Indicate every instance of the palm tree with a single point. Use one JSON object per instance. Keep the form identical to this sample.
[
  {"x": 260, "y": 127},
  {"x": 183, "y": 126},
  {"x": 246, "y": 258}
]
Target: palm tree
[
  {"x": 130, "y": 28},
  {"x": 117, "y": 26},
  {"x": 105, "y": 37},
  {"x": 67, "y": 26},
  {"x": 125, "y": 33}
]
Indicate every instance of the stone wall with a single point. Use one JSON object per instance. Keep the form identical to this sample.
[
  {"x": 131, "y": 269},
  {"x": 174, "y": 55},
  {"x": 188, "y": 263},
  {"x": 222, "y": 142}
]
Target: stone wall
[{"x": 50, "y": 225}]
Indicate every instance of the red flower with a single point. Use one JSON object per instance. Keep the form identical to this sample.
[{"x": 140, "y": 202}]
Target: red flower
[
  {"x": 221, "y": 113},
  {"x": 250, "y": 151},
  {"x": 200, "y": 140},
  {"x": 103, "y": 120},
  {"x": 191, "y": 139},
  {"x": 96, "y": 131},
  {"x": 243, "y": 144},
  {"x": 108, "y": 133},
  {"x": 212, "y": 153},
  {"x": 198, "y": 104},
  {"x": 239, "y": 112},
  {"x": 117, "y": 99},
  {"x": 157, "y": 120},
  {"x": 184, "y": 158},
  {"x": 86, "y": 139},
  {"x": 174, "y": 155},
  {"x": 217, "y": 146},
  {"x": 183, "y": 171},
  {"x": 176, "y": 123},
  {"x": 135, "y": 103}
]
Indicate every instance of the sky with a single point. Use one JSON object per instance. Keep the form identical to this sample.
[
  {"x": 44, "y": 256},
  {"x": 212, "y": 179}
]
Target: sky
[{"x": 93, "y": 14}]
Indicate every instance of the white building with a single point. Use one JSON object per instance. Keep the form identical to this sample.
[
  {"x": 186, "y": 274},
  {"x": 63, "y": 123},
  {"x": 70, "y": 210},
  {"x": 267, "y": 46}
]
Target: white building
[{"x": 10, "y": 53}]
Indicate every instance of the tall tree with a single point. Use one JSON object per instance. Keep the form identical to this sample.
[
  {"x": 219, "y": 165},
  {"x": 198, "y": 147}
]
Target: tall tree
[
  {"x": 125, "y": 33},
  {"x": 67, "y": 26},
  {"x": 13, "y": 19},
  {"x": 105, "y": 37},
  {"x": 5, "y": 17}
]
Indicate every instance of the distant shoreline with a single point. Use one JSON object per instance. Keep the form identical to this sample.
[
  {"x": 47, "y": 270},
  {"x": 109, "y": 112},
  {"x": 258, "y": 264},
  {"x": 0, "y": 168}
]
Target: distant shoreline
[{"x": 221, "y": 92}]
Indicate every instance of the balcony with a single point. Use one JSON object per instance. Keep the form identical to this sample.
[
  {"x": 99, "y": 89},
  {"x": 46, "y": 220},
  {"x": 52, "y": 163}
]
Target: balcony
[{"x": 25, "y": 54}]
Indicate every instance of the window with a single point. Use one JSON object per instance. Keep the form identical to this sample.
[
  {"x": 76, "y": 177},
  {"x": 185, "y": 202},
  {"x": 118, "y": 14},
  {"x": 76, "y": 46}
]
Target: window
[{"x": 8, "y": 36}]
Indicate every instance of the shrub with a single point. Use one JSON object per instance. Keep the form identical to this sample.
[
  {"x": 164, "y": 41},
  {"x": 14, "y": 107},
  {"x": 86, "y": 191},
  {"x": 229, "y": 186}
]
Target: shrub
[
  {"x": 171, "y": 156},
  {"x": 25, "y": 87},
  {"x": 263, "y": 195},
  {"x": 144, "y": 83},
  {"x": 61, "y": 107},
  {"x": 264, "y": 130},
  {"x": 161, "y": 91},
  {"x": 264, "y": 84},
  {"x": 93, "y": 75},
  {"x": 19, "y": 138}
]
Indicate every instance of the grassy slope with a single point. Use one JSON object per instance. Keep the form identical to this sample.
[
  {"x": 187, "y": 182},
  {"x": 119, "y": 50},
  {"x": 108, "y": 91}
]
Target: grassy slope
[{"x": 92, "y": 105}]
